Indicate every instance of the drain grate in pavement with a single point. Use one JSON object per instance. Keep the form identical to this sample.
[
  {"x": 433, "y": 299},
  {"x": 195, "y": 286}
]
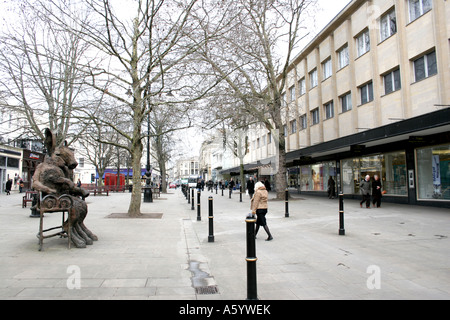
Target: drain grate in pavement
[{"x": 207, "y": 290}]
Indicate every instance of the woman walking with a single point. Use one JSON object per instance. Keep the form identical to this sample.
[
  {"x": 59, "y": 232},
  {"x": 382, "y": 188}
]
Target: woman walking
[{"x": 259, "y": 207}]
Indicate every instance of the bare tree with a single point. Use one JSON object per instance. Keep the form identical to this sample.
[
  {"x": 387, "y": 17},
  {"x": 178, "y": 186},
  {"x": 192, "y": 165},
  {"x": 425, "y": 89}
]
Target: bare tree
[
  {"x": 253, "y": 56},
  {"x": 137, "y": 54},
  {"x": 39, "y": 75}
]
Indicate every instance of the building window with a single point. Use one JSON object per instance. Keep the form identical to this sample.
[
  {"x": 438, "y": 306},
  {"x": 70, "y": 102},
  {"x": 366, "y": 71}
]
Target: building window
[
  {"x": 292, "y": 94},
  {"x": 366, "y": 92},
  {"x": 293, "y": 124},
  {"x": 269, "y": 138},
  {"x": 313, "y": 78},
  {"x": 392, "y": 81},
  {"x": 346, "y": 102},
  {"x": 329, "y": 110},
  {"x": 363, "y": 43},
  {"x": 81, "y": 163},
  {"x": 302, "y": 86},
  {"x": 343, "y": 57},
  {"x": 315, "y": 116},
  {"x": 303, "y": 122},
  {"x": 417, "y": 8},
  {"x": 388, "y": 25},
  {"x": 425, "y": 66},
  {"x": 285, "y": 130},
  {"x": 327, "y": 69}
]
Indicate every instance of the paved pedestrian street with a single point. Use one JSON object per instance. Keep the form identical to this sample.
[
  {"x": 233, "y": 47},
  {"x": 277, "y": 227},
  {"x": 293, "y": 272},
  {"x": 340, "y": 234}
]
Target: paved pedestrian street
[{"x": 394, "y": 252}]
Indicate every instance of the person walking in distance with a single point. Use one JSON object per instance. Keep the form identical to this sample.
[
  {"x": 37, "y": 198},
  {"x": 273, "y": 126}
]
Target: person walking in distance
[
  {"x": 251, "y": 187},
  {"x": 376, "y": 191},
  {"x": 259, "y": 207},
  {"x": 365, "y": 187},
  {"x": 8, "y": 186}
]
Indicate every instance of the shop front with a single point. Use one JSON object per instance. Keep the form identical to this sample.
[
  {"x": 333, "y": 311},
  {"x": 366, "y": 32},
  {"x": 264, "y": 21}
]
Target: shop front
[{"x": 411, "y": 158}]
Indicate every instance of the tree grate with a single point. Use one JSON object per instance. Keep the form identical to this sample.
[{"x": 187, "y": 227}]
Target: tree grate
[{"x": 207, "y": 290}]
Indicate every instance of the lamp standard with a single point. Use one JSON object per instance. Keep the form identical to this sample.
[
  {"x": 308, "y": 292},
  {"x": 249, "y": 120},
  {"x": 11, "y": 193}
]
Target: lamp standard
[{"x": 148, "y": 193}]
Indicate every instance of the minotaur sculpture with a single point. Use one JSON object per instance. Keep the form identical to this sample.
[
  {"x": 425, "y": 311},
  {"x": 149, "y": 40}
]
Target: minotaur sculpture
[{"x": 52, "y": 177}]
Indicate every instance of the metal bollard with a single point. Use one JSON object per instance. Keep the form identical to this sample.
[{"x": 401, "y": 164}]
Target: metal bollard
[
  {"x": 192, "y": 199},
  {"x": 188, "y": 195},
  {"x": 199, "y": 218},
  {"x": 341, "y": 215},
  {"x": 251, "y": 258},
  {"x": 211, "y": 220},
  {"x": 222, "y": 191},
  {"x": 240, "y": 193},
  {"x": 286, "y": 211},
  {"x": 231, "y": 190}
]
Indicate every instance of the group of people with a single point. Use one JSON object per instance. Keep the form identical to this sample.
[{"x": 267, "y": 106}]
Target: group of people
[
  {"x": 17, "y": 181},
  {"x": 369, "y": 188}
]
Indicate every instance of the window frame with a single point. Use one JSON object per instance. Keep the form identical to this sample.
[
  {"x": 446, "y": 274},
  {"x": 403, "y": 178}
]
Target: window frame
[
  {"x": 313, "y": 78},
  {"x": 329, "y": 110},
  {"x": 365, "y": 37},
  {"x": 392, "y": 74},
  {"x": 347, "y": 97},
  {"x": 388, "y": 17},
  {"x": 315, "y": 116},
  {"x": 343, "y": 57},
  {"x": 426, "y": 66},
  {"x": 369, "y": 93},
  {"x": 327, "y": 68}
]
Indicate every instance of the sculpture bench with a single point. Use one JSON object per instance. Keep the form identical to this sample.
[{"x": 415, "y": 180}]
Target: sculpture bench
[{"x": 51, "y": 204}]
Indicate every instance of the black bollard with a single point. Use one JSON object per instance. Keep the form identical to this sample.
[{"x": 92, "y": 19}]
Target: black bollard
[
  {"x": 240, "y": 194},
  {"x": 199, "y": 218},
  {"x": 231, "y": 190},
  {"x": 211, "y": 220},
  {"x": 341, "y": 215},
  {"x": 188, "y": 195},
  {"x": 286, "y": 200},
  {"x": 251, "y": 258},
  {"x": 192, "y": 199},
  {"x": 222, "y": 191},
  {"x": 216, "y": 189}
]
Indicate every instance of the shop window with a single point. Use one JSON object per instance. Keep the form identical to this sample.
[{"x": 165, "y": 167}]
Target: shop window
[
  {"x": 390, "y": 167},
  {"x": 433, "y": 173},
  {"x": 315, "y": 177}
]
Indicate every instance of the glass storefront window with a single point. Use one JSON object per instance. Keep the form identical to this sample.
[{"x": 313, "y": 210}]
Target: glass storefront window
[
  {"x": 315, "y": 177},
  {"x": 433, "y": 172},
  {"x": 390, "y": 167}
]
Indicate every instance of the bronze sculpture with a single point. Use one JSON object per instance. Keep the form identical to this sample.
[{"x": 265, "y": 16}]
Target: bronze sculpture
[{"x": 53, "y": 177}]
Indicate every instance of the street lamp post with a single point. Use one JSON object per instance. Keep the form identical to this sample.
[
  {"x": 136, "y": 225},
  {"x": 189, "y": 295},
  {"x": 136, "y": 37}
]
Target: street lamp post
[{"x": 148, "y": 194}]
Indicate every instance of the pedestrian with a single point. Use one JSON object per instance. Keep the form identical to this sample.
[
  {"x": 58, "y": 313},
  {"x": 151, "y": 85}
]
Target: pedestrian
[
  {"x": 231, "y": 184},
  {"x": 331, "y": 186},
  {"x": 365, "y": 187},
  {"x": 259, "y": 207},
  {"x": 376, "y": 191},
  {"x": 251, "y": 187},
  {"x": 21, "y": 185},
  {"x": 267, "y": 184},
  {"x": 8, "y": 186},
  {"x": 79, "y": 183}
]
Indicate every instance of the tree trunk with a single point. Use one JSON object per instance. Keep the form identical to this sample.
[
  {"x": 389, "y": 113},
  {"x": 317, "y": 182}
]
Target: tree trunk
[{"x": 134, "y": 209}]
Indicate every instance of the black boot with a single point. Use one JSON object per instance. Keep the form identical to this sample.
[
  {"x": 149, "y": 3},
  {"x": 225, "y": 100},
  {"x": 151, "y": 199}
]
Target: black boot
[{"x": 268, "y": 233}]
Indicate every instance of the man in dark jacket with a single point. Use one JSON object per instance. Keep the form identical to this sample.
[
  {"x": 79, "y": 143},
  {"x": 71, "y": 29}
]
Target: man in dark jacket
[
  {"x": 8, "y": 186},
  {"x": 251, "y": 187}
]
